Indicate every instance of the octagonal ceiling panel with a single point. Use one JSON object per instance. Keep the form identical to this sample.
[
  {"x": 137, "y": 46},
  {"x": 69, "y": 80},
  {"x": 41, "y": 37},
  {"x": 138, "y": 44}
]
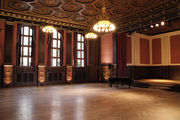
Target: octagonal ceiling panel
[
  {"x": 85, "y": 1},
  {"x": 90, "y": 11},
  {"x": 84, "y": 12},
  {"x": 141, "y": 3},
  {"x": 61, "y": 14},
  {"x": 50, "y": 3},
  {"x": 42, "y": 10},
  {"x": 122, "y": 10},
  {"x": 71, "y": 7},
  {"x": 17, "y": 5},
  {"x": 79, "y": 18},
  {"x": 27, "y": 0},
  {"x": 109, "y": 4}
]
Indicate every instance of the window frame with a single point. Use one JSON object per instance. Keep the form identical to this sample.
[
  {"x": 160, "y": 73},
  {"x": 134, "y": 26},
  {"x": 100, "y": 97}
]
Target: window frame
[
  {"x": 80, "y": 41},
  {"x": 28, "y": 46},
  {"x": 57, "y": 48}
]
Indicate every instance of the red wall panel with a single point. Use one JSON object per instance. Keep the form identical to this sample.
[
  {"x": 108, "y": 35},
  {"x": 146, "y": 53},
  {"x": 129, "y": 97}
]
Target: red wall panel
[
  {"x": 107, "y": 48},
  {"x": 175, "y": 49},
  {"x": 129, "y": 49},
  {"x": 144, "y": 51},
  {"x": 156, "y": 51}
]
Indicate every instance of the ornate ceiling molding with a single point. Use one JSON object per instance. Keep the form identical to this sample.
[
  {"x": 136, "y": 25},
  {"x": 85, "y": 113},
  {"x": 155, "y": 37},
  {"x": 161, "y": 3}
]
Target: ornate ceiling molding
[
  {"x": 79, "y": 18},
  {"x": 90, "y": 11},
  {"x": 62, "y": 14},
  {"x": 39, "y": 19},
  {"x": 71, "y": 7},
  {"x": 50, "y": 3},
  {"x": 122, "y": 10},
  {"x": 109, "y": 4},
  {"x": 27, "y": 0},
  {"x": 18, "y": 5},
  {"x": 42, "y": 10},
  {"x": 167, "y": 10},
  {"x": 141, "y": 3},
  {"x": 85, "y": 1}
]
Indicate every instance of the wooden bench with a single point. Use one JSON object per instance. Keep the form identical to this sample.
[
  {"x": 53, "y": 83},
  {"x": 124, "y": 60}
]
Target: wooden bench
[{"x": 117, "y": 80}]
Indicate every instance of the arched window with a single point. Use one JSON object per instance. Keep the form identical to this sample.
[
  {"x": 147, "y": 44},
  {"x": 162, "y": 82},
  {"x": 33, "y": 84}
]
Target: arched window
[
  {"x": 26, "y": 46},
  {"x": 80, "y": 50},
  {"x": 56, "y": 49}
]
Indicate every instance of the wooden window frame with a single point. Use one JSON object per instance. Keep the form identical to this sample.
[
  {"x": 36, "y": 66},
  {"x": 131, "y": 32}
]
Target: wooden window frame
[
  {"x": 80, "y": 50},
  {"x": 29, "y": 46},
  {"x": 56, "y": 48}
]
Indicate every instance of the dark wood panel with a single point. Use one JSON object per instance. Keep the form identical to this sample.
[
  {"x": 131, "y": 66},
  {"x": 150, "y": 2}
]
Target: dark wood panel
[
  {"x": 85, "y": 74},
  {"x": 138, "y": 72},
  {"x": 41, "y": 47},
  {"x": 25, "y": 76},
  {"x": 55, "y": 75},
  {"x": 1, "y": 76},
  {"x": 80, "y": 74},
  {"x": 68, "y": 48},
  {"x": 94, "y": 52},
  {"x": 93, "y": 74},
  {"x": 174, "y": 72},
  {"x": 8, "y": 44},
  {"x": 154, "y": 72},
  {"x": 159, "y": 72}
]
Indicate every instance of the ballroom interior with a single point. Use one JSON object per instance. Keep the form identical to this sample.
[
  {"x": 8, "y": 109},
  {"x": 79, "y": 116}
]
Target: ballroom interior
[{"x": 57, "y": 56}]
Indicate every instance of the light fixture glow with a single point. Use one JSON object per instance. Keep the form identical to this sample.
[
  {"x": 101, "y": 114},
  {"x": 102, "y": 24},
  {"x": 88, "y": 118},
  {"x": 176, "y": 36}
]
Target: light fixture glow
[
  {"x": 162, "y": 23},
  {"x": 152, "y": 26},
  {"x": 48, "y": 29},
  {"x": 104, "y": 25},
  {"x": 157, "y": 25},
  {"x": 91, "y": 35}
]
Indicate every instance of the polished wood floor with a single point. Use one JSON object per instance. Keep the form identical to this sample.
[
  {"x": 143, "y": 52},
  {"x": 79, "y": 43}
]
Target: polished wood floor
[{"x": 88, "y": 102}]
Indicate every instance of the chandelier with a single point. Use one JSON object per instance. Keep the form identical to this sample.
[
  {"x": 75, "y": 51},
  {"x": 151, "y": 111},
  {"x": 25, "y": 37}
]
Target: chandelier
[
  {"x": 48, "y": 29},
  {"x": 104, "y": 25},
  {"x": 91, "y": 35}
]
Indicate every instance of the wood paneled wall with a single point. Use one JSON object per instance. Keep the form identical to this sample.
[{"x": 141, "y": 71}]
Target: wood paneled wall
[
  {"x": 69, "y": 48},
  {"x": 8, "y": 44},
  {"x": 24, "y": 76}
]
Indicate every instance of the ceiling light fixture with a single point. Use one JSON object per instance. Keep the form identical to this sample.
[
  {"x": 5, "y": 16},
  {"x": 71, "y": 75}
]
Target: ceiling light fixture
[
  {"x": 48, "y": 29},
  {"x": 104, "y": 25},
  {"x": 157, "y": 25},
  {"x": 152, "y": 26},
  {"x": 162, "y": 23},
  {"x": 91, "y": 35}
]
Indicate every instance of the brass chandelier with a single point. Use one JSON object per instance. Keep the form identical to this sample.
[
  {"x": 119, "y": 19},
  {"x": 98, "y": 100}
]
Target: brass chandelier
[
  {"x": 91, "y": 35},
  {"x": 104, "y": 24},
  {"x": 48, "y": 29}
]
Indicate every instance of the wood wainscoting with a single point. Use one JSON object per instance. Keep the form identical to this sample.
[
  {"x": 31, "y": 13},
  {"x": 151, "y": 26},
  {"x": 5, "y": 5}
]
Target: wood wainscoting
[
  {"x": 153, "y": 72},
  {"x": 25, "y": 76},
  {"x": 85, "y": 74},
  {"x": 1, "y": 76},
  {"x": 55, "y": 75}
]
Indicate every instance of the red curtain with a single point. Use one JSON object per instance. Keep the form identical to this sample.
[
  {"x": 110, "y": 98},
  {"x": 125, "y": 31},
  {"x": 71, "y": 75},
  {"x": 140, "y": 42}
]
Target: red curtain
[{"x": 121, "y": 55}]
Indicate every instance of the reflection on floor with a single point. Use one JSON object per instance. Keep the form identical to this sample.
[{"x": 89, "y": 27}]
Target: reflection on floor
[
  {"x": 170, "y": 85},
  {"x": 88, "y": 102}
]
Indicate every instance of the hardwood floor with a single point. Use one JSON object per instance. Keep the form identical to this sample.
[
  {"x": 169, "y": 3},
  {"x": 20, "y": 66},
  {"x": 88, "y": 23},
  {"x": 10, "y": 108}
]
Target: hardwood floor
[{"x": 88, "y": 102}]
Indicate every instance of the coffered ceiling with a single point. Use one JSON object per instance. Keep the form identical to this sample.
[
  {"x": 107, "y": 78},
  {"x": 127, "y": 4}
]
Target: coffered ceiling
[{"x": 127, "y": 14}]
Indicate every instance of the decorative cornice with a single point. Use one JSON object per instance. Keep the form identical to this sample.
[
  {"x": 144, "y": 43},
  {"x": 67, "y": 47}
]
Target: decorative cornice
[{"x": 41, "y": 19}]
